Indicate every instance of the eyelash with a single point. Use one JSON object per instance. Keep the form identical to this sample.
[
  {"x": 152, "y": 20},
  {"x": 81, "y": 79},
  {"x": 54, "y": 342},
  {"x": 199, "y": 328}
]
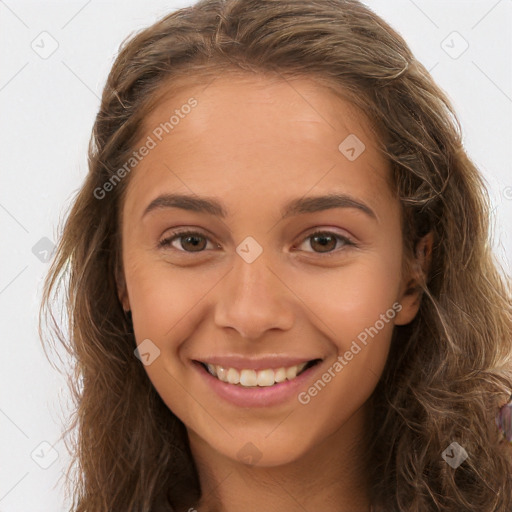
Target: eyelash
[{"x": 166, "y": 242}]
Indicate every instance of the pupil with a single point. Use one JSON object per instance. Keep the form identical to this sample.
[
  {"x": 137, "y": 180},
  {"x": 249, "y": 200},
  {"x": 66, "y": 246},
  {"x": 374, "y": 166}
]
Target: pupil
[
  {"x": 194, "y": 239},
  {"x": 324, "y": 238}
]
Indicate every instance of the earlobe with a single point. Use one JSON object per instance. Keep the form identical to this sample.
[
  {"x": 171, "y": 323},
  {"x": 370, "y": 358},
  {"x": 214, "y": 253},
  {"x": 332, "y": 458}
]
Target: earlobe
[{"x": 412, "y": 286}]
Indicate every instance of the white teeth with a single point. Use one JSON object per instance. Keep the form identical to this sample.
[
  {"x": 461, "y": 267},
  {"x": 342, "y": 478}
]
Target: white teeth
[
  {"x": 248, "y": 378},
  {"x": 266, "y": 378},
  {"x": 233, "y": 376},
  {"x": 220, "y": 372},
  {"x": 291, "y": 373},
  {"x": 252, "y": 378},
  {"x": 280, "y": 375}
]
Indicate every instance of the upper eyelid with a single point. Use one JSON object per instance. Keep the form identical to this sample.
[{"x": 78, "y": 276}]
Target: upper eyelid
[
  {"x": 348, "y": 240},
  {"x": 178, "y": 233},
  {"x": 181, "y": 233}
]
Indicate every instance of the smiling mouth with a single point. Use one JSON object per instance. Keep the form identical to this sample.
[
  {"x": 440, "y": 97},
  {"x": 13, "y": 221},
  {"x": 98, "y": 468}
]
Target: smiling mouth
[{"x": 253, "y": 378}]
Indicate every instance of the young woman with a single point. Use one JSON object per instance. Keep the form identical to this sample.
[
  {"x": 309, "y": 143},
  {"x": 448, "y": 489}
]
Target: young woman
[{"x": 279, "y": 285}]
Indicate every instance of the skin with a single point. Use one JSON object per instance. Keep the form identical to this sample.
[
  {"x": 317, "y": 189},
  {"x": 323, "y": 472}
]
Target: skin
[{"x": 255, "y": 143}]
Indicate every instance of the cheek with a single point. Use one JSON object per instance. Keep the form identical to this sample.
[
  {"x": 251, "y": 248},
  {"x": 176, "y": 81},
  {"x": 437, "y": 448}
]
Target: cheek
[
  {"x": 355, "y": 307},
  {"x": 168, "y": 304},
  {"x": 347, "y": 299},
  {"x": 358, "y": 310},
  {"x": 366, "y": 292},
  {"x": 159, "y": 296},
  {"x": 352, "y": 298}
]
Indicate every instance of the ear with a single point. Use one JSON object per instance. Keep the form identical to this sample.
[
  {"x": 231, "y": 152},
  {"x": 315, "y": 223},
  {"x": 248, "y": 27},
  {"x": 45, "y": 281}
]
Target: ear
[
  {"x": 122, "y": 291},
  {"x": 410, "y": 288}
]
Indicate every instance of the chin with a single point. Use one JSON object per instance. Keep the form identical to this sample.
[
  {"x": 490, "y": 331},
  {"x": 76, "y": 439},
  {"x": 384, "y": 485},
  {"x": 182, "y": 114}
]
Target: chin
[{"x": 263, "y": 452}]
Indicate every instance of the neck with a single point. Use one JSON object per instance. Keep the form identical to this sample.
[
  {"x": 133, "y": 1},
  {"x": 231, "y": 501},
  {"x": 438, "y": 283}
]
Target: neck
[{"x": 330, "y": 477}]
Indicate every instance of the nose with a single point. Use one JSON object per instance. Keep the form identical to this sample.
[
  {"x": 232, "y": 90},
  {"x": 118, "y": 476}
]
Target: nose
[{"x": 253, "y": 299}]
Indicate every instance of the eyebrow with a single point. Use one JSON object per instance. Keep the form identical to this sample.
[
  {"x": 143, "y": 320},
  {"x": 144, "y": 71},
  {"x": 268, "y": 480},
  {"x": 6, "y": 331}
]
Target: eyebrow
[{"x": 294, "y": 207}]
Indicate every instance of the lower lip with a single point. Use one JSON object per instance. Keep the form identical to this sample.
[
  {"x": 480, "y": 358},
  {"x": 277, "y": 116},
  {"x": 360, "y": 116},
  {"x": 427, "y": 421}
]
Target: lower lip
[{"x": 257, "y": 396}]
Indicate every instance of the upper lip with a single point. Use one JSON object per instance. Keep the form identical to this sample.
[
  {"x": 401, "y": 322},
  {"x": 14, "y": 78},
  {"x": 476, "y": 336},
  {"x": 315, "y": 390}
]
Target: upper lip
[{"x": 260, "y": 363}]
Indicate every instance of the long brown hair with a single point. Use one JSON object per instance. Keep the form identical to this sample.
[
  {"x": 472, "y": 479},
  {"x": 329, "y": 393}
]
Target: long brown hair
[{"x": 448, "y": 370}]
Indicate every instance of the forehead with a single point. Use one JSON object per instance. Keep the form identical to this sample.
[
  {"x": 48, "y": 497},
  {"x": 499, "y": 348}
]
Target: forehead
[{"x": 260, "y": 135}]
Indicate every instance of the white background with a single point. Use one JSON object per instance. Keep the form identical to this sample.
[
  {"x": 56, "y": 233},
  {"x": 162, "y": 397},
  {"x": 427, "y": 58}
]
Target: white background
[{"x": 47, "y": 110}]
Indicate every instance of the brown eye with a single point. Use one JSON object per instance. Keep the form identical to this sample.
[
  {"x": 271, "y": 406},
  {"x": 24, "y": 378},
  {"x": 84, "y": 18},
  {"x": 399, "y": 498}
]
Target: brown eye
[
  {"x": 193, "y": 242},
  {"x": 187, "y": 241},
  {"x": 326, "y": 241}
]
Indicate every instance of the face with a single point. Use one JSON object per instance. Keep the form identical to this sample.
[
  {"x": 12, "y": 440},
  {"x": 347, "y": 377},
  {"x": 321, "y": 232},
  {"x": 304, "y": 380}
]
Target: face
[{"x": 254, "y": 274}]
